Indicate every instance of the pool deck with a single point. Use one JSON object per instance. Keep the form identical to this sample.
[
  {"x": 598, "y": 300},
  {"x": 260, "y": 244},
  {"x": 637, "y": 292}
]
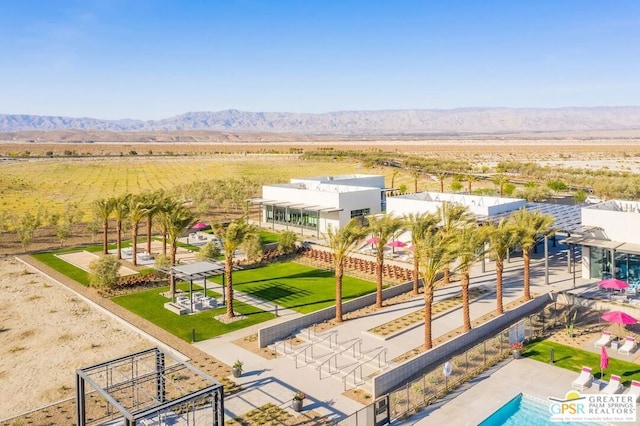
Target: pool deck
[{"x": 487, "y": 393}]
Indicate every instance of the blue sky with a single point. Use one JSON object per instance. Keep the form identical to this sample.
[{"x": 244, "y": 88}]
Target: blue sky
[{"x": 148, "y": 59}]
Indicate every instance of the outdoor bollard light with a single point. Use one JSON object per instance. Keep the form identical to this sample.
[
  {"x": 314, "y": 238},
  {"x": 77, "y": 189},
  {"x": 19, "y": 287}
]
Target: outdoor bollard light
[
  {"x": 551, "y": 356},
  {"x": 193, "y": 335}
]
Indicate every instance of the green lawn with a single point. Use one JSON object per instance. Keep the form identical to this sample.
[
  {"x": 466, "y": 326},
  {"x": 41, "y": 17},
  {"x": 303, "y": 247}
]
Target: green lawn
[
  {"x": 149, "y": 304},
  {"x": 574, "y": 359},
  {"x": 268, "y": 236},
  {"x": 296, "y": 286}
]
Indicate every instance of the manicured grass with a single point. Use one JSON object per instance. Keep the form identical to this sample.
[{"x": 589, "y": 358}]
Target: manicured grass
[
  {"x": 296, "y": 286},
  {"x": 51, "y": 260},
  {"x": 268, "y": 237},
  {"x": 149, "y": 304},
  {"x": 574, "y": 359}
]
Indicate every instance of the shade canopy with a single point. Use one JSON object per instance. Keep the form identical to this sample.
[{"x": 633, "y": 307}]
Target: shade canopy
[
  {"x": 373, "y": 240},
  {"x": 396, "y": 243},
  {"x": 618, "y": 317},
  {"x": 613, "y": 283}
]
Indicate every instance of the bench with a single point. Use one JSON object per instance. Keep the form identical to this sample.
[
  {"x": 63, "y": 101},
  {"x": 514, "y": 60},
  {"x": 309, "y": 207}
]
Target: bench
[{"x": 175, "y": 308}]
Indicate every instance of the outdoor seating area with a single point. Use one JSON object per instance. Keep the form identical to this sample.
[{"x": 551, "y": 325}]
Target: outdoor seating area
[
  {"x": 613, "y": 386},
  {"x": 629, "y": 346},
  {"x": 604, "y": 340},
  {"x": 197, "y": 303},
  {"x": 584, "y": 380}
]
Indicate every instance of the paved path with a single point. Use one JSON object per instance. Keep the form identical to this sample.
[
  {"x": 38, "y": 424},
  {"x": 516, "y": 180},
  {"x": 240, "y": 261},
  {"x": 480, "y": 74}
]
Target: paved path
[{"x": 276, "y": 380}]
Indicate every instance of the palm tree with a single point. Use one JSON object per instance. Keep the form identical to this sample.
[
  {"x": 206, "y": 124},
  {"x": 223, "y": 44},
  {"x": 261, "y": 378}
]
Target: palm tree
[
  {"x": 151, "y": 202},
  {"x": 104, "y": 208},
  {"x": 435, "y": 250},
  {"x": 470, "y": 247},
  {"x": 501, "y": 238},
  {"x": 452, "y": 218},
  {"x": 500, "y": 181},
  {"x": 342, "y": 242},
  {"x": 120, "y": 207},
  {"x": 416, "y": 175},
  {"x": 164, "y": 206},
  {"x": 441, "y": 177},
  {"x": 469, "y": 179},
  {"x": 232, "y": 237},
  {"x": 175, "y": 221},
  {"x": 393, "y": 177},
  {"x": 418, "y": 224},
  {"x": 383, "y": 227},
  {"x": 137, "y": 210},
  {"x": 530, "y": 225}
]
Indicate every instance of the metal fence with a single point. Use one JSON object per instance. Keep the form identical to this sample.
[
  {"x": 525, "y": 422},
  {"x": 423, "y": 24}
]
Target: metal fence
[{"x": 423, "y": 391}]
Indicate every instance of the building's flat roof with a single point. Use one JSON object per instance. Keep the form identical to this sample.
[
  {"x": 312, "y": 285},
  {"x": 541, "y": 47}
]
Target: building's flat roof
[{"x": 567, "y": 218}]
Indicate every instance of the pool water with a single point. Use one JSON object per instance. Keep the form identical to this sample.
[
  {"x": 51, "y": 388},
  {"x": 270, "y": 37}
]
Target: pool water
[{"x": 525, "y": 411}]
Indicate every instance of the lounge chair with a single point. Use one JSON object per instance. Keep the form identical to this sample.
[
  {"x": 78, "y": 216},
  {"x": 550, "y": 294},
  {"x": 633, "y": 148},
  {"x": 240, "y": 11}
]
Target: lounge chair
[
  {"x": 634, "y": 389},
  {"x": 604, "y": 340},
  {"x": 614, "y": 385},
  {"x": 629, "y": 346},
  {"x": 584, "y": 380}
]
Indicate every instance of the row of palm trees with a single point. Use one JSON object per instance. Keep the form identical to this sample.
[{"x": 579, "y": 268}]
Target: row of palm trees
[{"x": 442, "y": 240}]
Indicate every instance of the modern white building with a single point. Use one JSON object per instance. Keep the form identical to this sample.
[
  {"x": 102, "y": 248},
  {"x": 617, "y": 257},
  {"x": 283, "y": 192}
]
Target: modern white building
[
  {"x": 610, "y": 240},
  {"x": 428, "y": 202},
  {"x": 317, "y": 203}
]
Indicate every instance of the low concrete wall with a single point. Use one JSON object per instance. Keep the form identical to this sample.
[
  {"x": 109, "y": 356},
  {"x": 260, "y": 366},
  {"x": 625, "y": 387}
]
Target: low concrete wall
[
  {"x": 391, "y": 379},
  {"x": 273, "y": 333}
]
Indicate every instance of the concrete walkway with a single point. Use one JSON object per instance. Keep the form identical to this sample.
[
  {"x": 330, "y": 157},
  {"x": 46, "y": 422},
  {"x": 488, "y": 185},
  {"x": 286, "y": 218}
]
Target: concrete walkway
[{"x": 276, "y": 380}]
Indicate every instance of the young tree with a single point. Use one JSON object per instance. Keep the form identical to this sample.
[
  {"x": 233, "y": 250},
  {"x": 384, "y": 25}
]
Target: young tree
[
  {"x": 470, "y": 247},
  {"x": 441, "y": 178},
  {"x": 287, "y": 241},
  {"x": 209, "y": 251},
  {"x": 253, "y": 247},
  {"x": 383, "y": 227},
  {"x": 104, "y": 272},
  {"x": 530, "y": 225},
  {"x": 342, "y": 242},
  {"x": 416, "y": 175},
  {"x": 469, "y": 179},
  {"x": 452, "y": 218},
  {"x": 500, "y": 181}
]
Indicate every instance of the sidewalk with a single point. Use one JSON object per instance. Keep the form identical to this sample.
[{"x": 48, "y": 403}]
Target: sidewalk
[{"x": 276, "y": 380}]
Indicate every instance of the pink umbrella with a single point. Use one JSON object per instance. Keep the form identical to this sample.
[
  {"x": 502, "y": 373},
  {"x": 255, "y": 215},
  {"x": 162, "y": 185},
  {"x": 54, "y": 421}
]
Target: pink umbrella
[
  {"x": 373, "y": 240},
  {"x": 604, "y": 361},
  {"x": 200, "y": 226},
  {"x": 395, "y": 243},
  {"x": 613, "y": 283},
  {"x": 618, "y": 317}
]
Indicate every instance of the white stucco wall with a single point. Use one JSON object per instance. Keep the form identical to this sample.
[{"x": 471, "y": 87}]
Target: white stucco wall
[
  {"x": 622, "y": 224},
  {"x": 428, "y": 202}
]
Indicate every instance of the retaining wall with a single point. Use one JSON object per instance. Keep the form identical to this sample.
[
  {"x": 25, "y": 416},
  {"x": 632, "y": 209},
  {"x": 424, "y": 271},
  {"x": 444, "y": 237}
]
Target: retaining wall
[
  {"x": 391, "y": 379},
  {"x": 273, "y": 333}
]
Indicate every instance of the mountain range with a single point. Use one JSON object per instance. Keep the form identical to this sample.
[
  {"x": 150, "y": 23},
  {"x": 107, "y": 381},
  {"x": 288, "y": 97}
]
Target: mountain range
[{"x": 389, "y": 122}]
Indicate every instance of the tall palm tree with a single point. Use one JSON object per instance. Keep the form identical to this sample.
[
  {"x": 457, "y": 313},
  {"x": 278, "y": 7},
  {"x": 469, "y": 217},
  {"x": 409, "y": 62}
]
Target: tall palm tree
[
  {"x": 470, "y": 246},
  {"x": 137, "y": 210},
  {"x": 164, "y": 206},
  {"x": 452, "y": 218},
  {"x": 151, "y": 202},
  {"x": 435, "y": 250},
  {"x": 104, "y": 208},
  {"x": 529, "y": 226},
  {"x": 120, "y": 206},
  {"x": 393, "y": 177},
  {"x": 176, "y": 221},
  {"x": 232, "y": 237},
  {"x": 418, "y": 224},
  {"x": 501, "y": 237},
  {"x": 342, "y": 242},
  {"x": 383, "y": 227}
]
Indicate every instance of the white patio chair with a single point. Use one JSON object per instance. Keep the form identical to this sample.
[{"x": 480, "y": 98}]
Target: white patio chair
[
  {"x": 634, "y": 390},
  {"x": 584, "y": 380},
  {"x": 629, "y": 346},
  {"x": 604, "y": 340},
  {"x": 614, "y": 386}
]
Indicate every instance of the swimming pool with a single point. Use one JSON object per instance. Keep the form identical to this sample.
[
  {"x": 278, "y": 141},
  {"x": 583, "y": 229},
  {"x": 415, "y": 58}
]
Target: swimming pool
[{"x": 523, "y": 410}]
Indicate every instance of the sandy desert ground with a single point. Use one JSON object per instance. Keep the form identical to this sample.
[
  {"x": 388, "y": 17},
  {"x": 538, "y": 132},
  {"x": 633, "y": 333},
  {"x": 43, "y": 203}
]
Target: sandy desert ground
[{"x": 46, "y": 333}]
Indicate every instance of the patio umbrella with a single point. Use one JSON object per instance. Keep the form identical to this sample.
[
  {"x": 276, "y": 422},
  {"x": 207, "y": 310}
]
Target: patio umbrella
[
  {"x": 613, "y": 283},
  {"x": 200, "y": 226},
  {"x": 620, "y": 318},
  {"x": 395, "y": 243},
  {"x": 372, "y": 241},
  {"x": 604, "y": 361}
]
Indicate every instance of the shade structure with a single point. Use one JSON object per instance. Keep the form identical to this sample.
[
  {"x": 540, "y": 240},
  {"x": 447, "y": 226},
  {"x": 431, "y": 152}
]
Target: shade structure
[
  {"x": 604, "y": 361},
  {"x": 373, "y": 240},
  {"x": 613, "y": 283},
  {"x": 200, "y": 226},
  {"x": 618, "y": 317}
]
